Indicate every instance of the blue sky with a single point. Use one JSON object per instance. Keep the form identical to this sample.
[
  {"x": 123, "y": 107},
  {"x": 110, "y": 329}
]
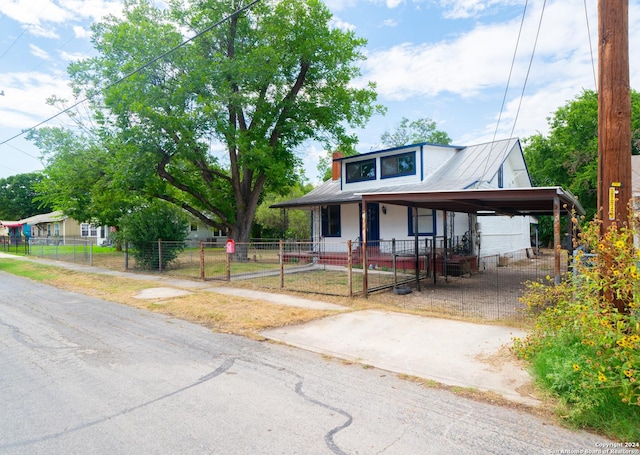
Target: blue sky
[{"x": 448, "y": 60}]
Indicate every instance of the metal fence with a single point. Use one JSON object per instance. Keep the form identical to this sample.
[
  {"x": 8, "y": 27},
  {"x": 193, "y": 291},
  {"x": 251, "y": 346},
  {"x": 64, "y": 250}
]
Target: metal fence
[
  {"x": 440, "y": 281},
  {"x": 11, "y": 244}
]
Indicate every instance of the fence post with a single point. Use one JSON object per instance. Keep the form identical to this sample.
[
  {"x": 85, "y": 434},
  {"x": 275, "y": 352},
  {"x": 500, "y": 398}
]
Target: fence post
[
  {"x": 350, "y": 267},
  {"x": 91, "y": 252},
  {"x": 281, "y": 264},
  {"x": 160, "y": 255},
  {"x": 201, "y": 260},
  {"x": 393, "y": 262},
  {"x": 126, "y": 255},
  {"x": 227, "y": 260}
]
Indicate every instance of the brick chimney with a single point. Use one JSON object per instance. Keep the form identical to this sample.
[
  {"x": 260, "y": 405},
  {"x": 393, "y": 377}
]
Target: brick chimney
[{"x": 336, "y": 165}]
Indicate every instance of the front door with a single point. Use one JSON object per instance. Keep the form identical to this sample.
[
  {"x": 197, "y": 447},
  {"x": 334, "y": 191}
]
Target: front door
[{"x": 373, "y": 223}]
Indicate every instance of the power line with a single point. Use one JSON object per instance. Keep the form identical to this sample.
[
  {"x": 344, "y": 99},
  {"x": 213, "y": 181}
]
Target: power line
[
  {"x": 137, "y": 70},
  {"x": 593, "y": 63},
  {"x": 533, "y": 52}
]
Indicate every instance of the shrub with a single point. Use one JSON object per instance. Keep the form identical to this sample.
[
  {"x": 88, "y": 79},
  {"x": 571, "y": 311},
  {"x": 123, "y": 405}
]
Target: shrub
[
  {"x": 585, "y": 344},
  {"x": 143, "y": 227}
]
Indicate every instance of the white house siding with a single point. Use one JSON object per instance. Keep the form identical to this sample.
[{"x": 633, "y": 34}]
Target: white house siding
[
  {"x": 504, "y": 234},
  {"x": 434, "y": 157}
]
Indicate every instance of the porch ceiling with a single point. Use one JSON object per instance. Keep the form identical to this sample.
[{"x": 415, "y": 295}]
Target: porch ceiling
[{"x": 505, "y": 201}]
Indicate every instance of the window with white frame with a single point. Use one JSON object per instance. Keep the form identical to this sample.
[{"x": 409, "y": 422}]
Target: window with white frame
[{"x": 88, "y": 230}]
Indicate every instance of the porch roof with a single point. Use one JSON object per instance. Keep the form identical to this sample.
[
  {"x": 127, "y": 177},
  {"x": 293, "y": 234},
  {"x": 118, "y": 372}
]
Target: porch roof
[{"x": 502, "y": 201}]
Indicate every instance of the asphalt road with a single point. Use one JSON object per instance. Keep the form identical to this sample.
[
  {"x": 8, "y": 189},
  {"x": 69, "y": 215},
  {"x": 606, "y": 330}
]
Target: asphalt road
[{"x": 82, "y": 375}]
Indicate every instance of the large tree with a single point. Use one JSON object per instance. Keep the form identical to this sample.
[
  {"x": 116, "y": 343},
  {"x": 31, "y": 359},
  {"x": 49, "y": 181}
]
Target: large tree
[
  {"x": 568, "y": 155},
  {"x": 212, "y": 124}
]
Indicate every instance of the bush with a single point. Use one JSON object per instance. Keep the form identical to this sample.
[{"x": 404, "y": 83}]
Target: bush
[
  {"x": 143, "y": 227},
  {"x": 585, "y": 345}
]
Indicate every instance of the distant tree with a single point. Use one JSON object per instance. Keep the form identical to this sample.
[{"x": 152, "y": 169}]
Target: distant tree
[
  {"x": 18, "y": 197},
  {"x": 290, "y": 224},
  {"x": 413, "y": 132},
  {"x": 75, "y": 179},
  {"x": 568, "y": 155}
]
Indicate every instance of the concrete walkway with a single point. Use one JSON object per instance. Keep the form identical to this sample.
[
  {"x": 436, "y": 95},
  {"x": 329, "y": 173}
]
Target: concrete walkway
[{"x": 450, "y": 352}]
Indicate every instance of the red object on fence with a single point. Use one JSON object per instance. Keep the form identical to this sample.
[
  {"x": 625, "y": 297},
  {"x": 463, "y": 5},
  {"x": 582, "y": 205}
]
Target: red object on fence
[{"x": 231, "y": 246}]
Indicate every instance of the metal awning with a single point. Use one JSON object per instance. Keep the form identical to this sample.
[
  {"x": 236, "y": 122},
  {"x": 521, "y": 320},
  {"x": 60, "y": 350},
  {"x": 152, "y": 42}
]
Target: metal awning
[{"x": 501, "y": 201}]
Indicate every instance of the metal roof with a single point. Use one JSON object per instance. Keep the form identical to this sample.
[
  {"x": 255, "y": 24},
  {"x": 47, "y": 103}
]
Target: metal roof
[{"x": 51, "y": 217}]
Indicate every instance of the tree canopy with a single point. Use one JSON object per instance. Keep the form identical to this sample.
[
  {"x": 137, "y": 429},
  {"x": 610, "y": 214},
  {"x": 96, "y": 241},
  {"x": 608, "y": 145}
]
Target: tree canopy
[
  {"x": 213, "y": 123},
  {"x": 568, "y": 155},
  {"x": 18, "y": 197},
  {"x": 413, "y": 132}
]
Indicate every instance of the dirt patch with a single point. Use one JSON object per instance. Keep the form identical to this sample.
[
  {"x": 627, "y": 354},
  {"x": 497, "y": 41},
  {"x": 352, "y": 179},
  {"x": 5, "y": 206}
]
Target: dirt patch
[{"x": 160, "y": 293}]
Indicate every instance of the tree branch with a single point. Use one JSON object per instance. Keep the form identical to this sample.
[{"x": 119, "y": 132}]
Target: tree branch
[{"x": 288, "y": 100}]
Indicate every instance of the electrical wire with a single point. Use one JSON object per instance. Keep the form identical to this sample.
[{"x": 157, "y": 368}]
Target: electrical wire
[
  {"x": 137, "y": 70},
  {"x": 533, "y": 53},
  {"x": 593, "y": 61},
  {"x": 506, "y": 91}
]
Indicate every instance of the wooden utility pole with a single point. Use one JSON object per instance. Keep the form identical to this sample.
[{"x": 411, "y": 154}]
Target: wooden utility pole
[
  {"x": 614, "y": 113},
  {"x": 614, "y": 121}
]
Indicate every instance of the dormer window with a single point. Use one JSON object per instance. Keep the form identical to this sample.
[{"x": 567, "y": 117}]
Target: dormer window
[
  {"x": 398, "y": 165},
  {"x": 359, "y": 171}
]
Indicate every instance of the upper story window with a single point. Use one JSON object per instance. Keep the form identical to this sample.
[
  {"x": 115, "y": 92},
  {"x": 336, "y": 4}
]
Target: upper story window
[
  {"x": 398, "y": 165},
  {"x": 361, "y": 170}
]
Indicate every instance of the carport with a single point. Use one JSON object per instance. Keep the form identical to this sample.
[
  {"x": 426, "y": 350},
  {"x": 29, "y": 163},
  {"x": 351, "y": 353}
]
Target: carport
[{"x": 553, "y": 201}]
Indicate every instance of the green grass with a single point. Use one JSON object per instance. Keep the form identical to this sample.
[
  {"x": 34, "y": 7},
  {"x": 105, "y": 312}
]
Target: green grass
[
  {"x": 580, "y": 405},
  {"x": 28, "y": 270}
]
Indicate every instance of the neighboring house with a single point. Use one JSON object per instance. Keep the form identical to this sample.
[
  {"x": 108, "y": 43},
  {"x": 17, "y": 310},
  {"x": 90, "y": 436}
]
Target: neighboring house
[
  {"x": 401, "y": 183},
  {"x": 200, "y": 232},
  {"x": 54, "y": 227}
]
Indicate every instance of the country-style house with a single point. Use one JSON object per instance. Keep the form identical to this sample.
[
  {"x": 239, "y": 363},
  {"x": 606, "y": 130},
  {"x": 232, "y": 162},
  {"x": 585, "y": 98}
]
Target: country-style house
[{"x": 475, "y": 200}]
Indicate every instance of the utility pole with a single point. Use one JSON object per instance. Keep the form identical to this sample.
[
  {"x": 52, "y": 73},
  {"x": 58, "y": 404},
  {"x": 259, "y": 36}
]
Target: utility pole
[
  {"x": 614, "y": 121},
  {"x": 614, "y": 113}
]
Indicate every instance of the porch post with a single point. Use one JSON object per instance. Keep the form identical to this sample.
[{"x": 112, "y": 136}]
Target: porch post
[
  {"x": 363, "y": 238},
  {"x": 569, "y": 238},
  {"x": 556, "y": 238},
  {"x": 415, "y": 246}
]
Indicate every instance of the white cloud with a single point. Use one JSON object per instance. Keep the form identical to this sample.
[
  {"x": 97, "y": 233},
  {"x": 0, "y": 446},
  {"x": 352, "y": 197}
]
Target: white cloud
[
  {"x": 37, "y": 12},
  {"x": 393, "y": 3},
  {"x": 81, "y": 32},
  {"x": 336, "y": 22},
  {"x": 39, "y": 52},
  {"x": 25, "y": 94},
  {"x": 72, "y": 56},
  {"x": 390, "y": 23},
  {"x": 481, "y": 58},
  {"x": 462, "y": 9}
]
